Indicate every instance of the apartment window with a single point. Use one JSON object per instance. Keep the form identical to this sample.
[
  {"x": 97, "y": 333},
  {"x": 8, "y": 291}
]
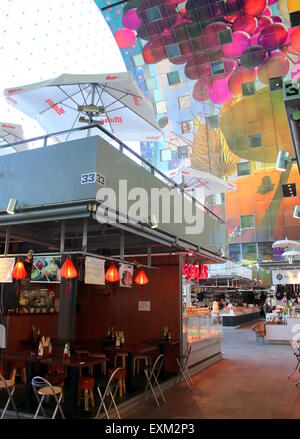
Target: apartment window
[
  {"x": 182, "y": 152},
  {"x": 173, "y": 50},
  {"x": 217, "y": 67},
  {"x": 212, "y": 122},
  {"x": 247, "y": 221},
  {"x": 173, "y": 78},
  {"x": 225, "y": 37},
  {"x": 151, "y": 83},
  {"x": 165, "y": 155},
  {"x": 187, "y": 126},
  {"x": 138, "y": 60},
  {"x": 184, "y": 102},
  {"x": 235, "y": 252},
  {"x": 276, "y": 83},
  {"x": 248, "y": 88},
  {"x": 161, "y": 107},
  {"x": 154, "y": 13},
  {"x": 243, "y": 169},
  {"x": 289, "y": 190},
  {"x": 255, "y": 140}
]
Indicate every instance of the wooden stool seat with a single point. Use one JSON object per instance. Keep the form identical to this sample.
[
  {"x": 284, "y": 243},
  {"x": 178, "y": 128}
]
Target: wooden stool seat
[
  {"x": 122, "y": 385},
  {"x": 136, "y": 362},
  {"x": 48, "y": 391},
  {"x": 123, "y": 356},
  {"x": 87, "y": 384},
  {"x": 15, "y": 367},
  {"x": 9, "y": 383},
  {"x": 103, "y": 363}
]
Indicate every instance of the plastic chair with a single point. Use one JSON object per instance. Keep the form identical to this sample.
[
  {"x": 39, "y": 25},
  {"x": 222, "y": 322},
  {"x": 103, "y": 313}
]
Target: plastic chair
[
  {"x": 183, "y": 371},
  {"x": 7, "y": 385},
  {"x": 110, "y": 391},
  {"x": 42, "y": 389},
  {"x": 152, "y": 375}
]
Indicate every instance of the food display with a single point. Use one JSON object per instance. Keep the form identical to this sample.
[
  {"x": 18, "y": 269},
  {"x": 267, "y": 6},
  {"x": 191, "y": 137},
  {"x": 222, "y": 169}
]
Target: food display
[
  {"x": 37, "y": 301},
  {"x": 201, "y": 327}
]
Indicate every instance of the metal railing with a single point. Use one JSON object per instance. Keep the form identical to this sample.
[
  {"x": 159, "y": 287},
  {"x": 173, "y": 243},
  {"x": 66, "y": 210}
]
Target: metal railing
[{"x": 122, "y": 147}]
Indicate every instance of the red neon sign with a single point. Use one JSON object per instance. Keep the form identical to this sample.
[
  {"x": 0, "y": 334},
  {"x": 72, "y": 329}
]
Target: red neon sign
[{"x": 195, "y": 271}]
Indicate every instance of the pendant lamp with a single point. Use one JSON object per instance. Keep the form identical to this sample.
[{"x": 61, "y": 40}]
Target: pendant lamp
[
  {"x": 68, "y": 271},
  {"x": 19, "y": 273},
  {"x": 112, "y": 275},
  {"x": 141, "y": 279}
]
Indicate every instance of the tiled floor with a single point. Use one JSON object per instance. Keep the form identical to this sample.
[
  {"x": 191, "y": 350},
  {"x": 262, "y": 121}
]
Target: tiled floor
[{"x": 250, "y": 382}]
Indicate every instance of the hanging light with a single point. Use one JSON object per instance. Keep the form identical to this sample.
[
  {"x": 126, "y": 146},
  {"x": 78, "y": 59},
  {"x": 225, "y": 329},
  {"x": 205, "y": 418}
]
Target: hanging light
[
  {"x": 19, "y": 272},
  {"x": 112, "y": 275},
  {"x": 68, "y": 271},
  {"x": 141, "y": 279}
]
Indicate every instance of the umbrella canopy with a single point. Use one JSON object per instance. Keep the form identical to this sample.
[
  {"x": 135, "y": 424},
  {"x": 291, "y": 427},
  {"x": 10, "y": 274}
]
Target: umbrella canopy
[
  {"x": 11, "y": 133},
  {"x": 286, "y": 243},
  {"x": 68, "y": 101},
  {"x": 190, "y": 179},
  {"x": 291, "y": 254}
]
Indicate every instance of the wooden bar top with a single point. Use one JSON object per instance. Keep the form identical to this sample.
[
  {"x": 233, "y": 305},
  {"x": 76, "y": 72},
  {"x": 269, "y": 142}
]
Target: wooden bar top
[{"x": 133, "y": 348}]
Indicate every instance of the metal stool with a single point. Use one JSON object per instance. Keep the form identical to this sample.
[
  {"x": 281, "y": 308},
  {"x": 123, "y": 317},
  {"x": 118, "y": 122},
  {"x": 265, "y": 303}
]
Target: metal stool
[
  {"x": 18, "y": 366},
  {"x": 152, "y": 375},
  {"x": 136, "y": 362},
  {"x": 183, "y": 371},
  {"x": 9, "y": 386},
  {"x": 110, "y": 391},
  {"x": 42, "y": 388},
  {"x": 87, "y": 384}
]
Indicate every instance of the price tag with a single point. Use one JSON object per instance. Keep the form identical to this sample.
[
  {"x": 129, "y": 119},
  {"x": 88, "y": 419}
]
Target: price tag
[{"x": 92, "y": 177}]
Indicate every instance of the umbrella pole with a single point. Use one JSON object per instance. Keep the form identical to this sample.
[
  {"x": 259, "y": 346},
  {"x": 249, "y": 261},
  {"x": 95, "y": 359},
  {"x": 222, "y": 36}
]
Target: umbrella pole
[{"x": 90, "y": 115}]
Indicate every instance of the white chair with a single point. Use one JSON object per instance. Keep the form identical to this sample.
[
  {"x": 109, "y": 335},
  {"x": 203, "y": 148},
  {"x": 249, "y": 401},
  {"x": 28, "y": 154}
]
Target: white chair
[
  {"x": 183, "y": 371},
  {"x": 42, "y": 389},
  {"x": 110, "y": 391},
  {"x": 152, "y": 375},
  {"x": 9, "y": 386}
]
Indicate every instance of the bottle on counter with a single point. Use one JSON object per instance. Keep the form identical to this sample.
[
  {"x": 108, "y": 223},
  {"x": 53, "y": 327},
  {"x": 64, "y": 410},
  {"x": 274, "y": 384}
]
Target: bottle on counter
[
  {"x": 67, "y": 353},
  {"x": 117, "y": 342},
  {"x": 50, "y": 347},
  {"x": 40, "y": 350},
  {"x": 169, "y": 336},
  {"x": 122, "y": 341}
]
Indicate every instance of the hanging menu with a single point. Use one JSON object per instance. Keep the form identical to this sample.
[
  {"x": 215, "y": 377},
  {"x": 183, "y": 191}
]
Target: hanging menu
[
  {"x": 6, "y": 267},
  {"x": 94, "y": 271}
]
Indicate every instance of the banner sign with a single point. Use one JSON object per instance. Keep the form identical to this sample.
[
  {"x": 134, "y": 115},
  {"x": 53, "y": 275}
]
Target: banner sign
[
  {"x": 284, "y": 277},
  {"x": 46, "y": 269},
  {"x": 126, "y": 275},
  {"x": 94, "y": 271},
  {"x": 195, "y": 271},
  {"x": 6, "y": 267}
]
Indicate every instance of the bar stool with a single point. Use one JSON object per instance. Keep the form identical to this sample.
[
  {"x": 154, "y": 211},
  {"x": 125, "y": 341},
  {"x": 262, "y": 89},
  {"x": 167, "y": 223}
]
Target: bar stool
[
  {"x": 81, "y": 353},
  {"x": 152, "y": 375},
  {"x": 9, "y": 386},
  {"x": 136, "y": 362},
  {"x": 123, "y": 356},
  {"x": 183, "y": 371},
  {"x": 18, "y": 368},
  {"x": 120, "y": 376},
  {"x": 103, "y": 363},
  {"x": 87, "y": 384},
  {"x": 110, "y": 392}
]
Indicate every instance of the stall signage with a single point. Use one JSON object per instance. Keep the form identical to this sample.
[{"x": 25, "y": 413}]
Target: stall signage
[
  {"x": 144, "y": 305},
  {"x": 195, "y": 271},
  {"x": 6, "y": 267},
  {"x": 94, "y": 271},
  {"x": 284, "y": 277}
]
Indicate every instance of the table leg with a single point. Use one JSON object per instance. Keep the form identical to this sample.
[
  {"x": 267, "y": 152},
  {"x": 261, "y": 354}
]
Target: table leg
[
  {"x": 129, "y": 372},
  {"x": 29, "y": 396},
  {"x": 73, "y": 389}
]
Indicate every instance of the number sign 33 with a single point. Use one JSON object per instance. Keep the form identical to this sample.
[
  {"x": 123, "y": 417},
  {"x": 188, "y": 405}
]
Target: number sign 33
[{"x": 92, "y": 177}]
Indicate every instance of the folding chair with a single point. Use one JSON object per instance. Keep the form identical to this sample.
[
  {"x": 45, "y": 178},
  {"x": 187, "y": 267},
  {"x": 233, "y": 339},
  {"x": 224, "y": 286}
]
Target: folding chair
[
  {"x": 42, "y": 389},
  {"x": 152, "y": 374},
  {"x": 7, "y": 385},
  {"x": 296, "y": 352},
  {"x": 111, "y": 392},
  {"x": 183, "y": 371}
]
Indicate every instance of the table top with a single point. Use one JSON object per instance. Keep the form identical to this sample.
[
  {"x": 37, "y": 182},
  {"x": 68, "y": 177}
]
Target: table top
[
  {"x": 132, "y": 348},
  {"x": 159, "y": 341},
  {"x": 56, "y": 359}
]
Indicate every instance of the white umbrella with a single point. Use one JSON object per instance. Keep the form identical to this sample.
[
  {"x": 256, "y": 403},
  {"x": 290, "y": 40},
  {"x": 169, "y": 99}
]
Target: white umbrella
[
  {"x": 190, "y": 179},
  {"x": 11, "y": 133},
  {"x": 286, "y": 243},
  {"x": 67, "y": 101},
  {"x": 291, "y": 254}
]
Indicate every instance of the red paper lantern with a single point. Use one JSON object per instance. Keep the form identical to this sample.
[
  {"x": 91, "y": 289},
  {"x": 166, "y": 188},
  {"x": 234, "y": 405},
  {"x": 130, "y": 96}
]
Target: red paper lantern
[
  {"x": 19, "y": 272},
  {"x": 68, "y": 271},
  {"x": 112, "y": 275},
  {"x": 141, "y": 279}
]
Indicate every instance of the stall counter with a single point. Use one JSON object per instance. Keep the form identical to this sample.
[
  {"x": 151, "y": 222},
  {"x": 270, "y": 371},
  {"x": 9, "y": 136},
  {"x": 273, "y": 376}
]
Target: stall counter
[{"x": 283, "y": 333}]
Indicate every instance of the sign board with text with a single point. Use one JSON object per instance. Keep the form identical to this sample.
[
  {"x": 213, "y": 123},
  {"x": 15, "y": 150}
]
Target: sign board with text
[
  {"x": 94, "y": 271},
  {"x": 6, "y": 267},
  {"x": 285, "y": 277}
]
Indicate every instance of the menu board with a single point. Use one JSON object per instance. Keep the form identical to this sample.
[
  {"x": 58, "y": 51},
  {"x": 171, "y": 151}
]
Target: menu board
[
  {"x": 126, "y": 275},
  {"x": 6, "y": 267},
  {"x": 46, "y": 269},
  {"x": 94, "y": 271}
]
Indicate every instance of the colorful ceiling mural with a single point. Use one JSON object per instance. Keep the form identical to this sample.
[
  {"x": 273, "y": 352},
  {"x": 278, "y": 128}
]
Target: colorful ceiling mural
[{"x": 214, "y": 71}]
